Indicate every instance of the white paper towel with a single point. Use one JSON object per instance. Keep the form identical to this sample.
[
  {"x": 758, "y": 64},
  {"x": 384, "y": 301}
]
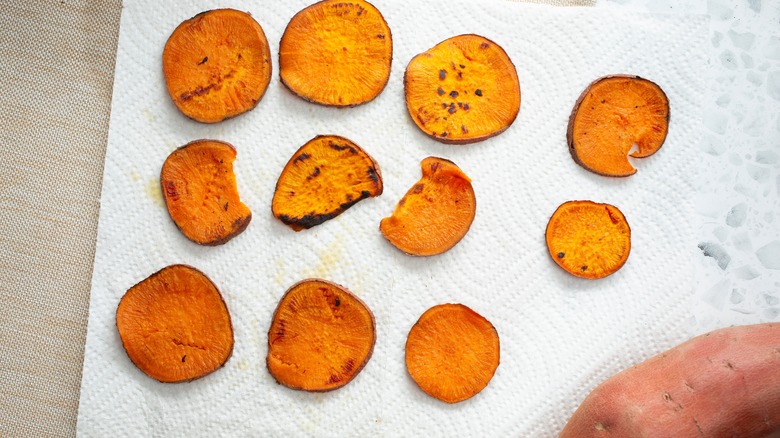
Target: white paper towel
[{"x": 560, "y": 335}]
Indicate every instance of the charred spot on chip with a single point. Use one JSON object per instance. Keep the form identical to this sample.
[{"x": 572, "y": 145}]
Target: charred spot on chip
[{"x": 302, "y": 157}]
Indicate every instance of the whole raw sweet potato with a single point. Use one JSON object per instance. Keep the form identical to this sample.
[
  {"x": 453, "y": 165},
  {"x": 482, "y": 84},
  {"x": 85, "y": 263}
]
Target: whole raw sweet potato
[{"x": 722, "y": 384}]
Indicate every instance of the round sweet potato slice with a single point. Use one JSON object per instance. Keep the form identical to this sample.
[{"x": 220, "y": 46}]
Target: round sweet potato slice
[
  {"x": 587, "y": 239},
  {"x": 463, "y": 90},
  {"x": 614, "y": 114},
  {"x": 320, "y": 338},
  {"x": 435, "y": 213},
  {"x": 325, "y": 177},
  {"x": 336, "y": 53},
  {"x": 217, "y": 65},
  {"x": 175, "y": 326},
  {"x": 199, "y": 188},
  {"x": 452, "y": 352}
]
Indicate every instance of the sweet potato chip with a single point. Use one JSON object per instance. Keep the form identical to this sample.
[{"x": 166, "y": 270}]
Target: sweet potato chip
[
  {"x": 614, "y": 114},
  {"x": 324, "y": 178},
  {"x": 217, "y": 65},
  {"x": 199, "y": 188},
  {"x": 463, "y": 90},
  {"x": 320, "y": 338},
  {"x": 336, "y": 53},
  {"x": 175, "y": 326},
  {"x": 452, "y": 352},
  {"x": 587, "y": 239},
  {"x": 435, "y": 213}
]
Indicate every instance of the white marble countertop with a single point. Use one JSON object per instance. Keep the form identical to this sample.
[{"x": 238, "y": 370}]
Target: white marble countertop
[{"x": 738, "y": 206}]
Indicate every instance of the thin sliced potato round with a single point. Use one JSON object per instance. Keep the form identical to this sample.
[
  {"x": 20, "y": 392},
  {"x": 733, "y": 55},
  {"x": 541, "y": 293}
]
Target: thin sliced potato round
[
  {"x": 452, "y": 352},
  {"x": 435, "y": 214},
  {"x": 199, "y": 188},
  {"x": 217, "y": 65},
  {"x": 463, "y": 90},
  {"x": 324, "y": 178},
  {"x": 175, "y": 326},
  {"x": 336, "y": 53},
  {"x": 320, "y": 338},
  {"x": 611, "y": 116},
  {"x": 587, "y": 239}
]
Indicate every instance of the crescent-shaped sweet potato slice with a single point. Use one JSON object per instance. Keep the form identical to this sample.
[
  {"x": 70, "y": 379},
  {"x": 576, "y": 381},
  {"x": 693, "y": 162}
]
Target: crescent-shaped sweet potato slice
[
  {"x": 611, "y": 116},
  {"x": 199, "y": 188},
  {"x": 336, "y": 53},
  {"x": 587, "y": 239},
  {"x": 463, "y": 90},
  {"x": 452, "y": 352},
  {"x": 324, "y": 178},
  {"x": 320, "y": 338},
  {"x": 217, "y": 65},
  {"x": 435, "y": 213},
  {"x": 175, "y": 326}
]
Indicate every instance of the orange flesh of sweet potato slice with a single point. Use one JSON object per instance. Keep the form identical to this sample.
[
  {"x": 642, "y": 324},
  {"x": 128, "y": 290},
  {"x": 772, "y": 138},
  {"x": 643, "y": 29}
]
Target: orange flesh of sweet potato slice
[
  {"x": 435, "y": 213},
  {"x": 324, "y": 178},
  {"x": 199, "y": 188},
  {"x": 320, "y": 338},
  {"x": 175, "y": 326},
  {"x": 611, "y": 116},
  {"x": 452, "y": 352},
  {"x": 587, "y": 239},
  {"x": 463, "y": 90},
  {"x": 336, "y": 53},
  {"x": 217, "y": 65}
]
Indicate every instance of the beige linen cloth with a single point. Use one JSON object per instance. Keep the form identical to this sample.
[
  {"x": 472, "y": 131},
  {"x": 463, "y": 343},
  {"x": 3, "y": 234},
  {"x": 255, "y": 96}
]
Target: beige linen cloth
[{"x": 56, "y": 78}]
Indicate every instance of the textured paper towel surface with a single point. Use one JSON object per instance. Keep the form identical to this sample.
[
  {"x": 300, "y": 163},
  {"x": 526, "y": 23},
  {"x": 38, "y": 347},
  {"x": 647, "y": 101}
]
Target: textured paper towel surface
[{"x": 559, "y": 335}]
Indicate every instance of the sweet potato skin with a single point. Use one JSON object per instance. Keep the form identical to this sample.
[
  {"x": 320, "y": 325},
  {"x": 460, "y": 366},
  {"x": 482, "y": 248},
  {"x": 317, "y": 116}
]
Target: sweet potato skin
[
  {"x": 725, "y": 383},
  {"x": 572, "y": 117}
]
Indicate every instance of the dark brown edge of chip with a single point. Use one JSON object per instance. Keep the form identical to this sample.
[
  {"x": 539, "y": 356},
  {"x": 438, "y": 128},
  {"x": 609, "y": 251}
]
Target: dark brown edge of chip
[
  {"x": 448, "y": 140},
  {"x": 267, "y": 77},
  {"x": 573, "y": 115},
  {"x": 227, "y": 310},
  {"x": 241, "y": 226},
  {"x": 343, "y": 290},
  {"x": 299, "y": 225},
  {"x": 335, "y": 105},
  {"x": 406, "y": 344},
  {"x": 555, "y": 258}
]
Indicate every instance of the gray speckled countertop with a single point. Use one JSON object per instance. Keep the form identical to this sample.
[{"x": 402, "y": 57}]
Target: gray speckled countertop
[{"x": 738, "y": 206}]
